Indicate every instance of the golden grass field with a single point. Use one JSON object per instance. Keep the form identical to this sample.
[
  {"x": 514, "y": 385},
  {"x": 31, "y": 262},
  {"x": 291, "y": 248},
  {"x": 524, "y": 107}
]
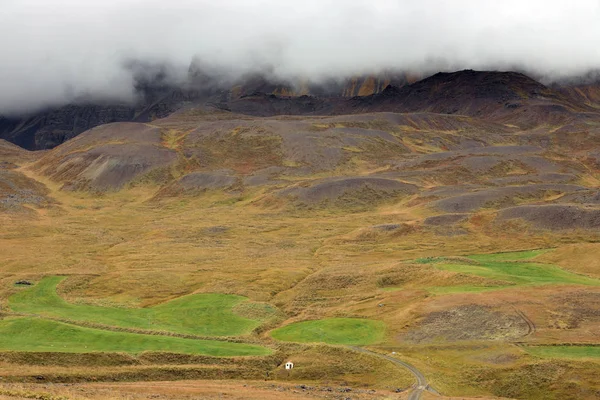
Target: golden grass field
[{"x": 147, "y": 243}]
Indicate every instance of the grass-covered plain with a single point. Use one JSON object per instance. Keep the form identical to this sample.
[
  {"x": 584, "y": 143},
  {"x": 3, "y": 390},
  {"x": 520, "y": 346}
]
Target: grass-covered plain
[
  {"x": 567, "y": 352},
  {"x": 509, "y": 256},
  {"x": 199, "y": 314},
  {"x": 36, "y": 334},
  {"x": 512, "y": 268},
  {"x": 351, "y": 331},
  {"x": 143, "y": 250}
]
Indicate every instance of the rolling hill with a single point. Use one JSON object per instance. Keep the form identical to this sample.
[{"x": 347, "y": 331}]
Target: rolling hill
[{"x": 451, "y": 224}]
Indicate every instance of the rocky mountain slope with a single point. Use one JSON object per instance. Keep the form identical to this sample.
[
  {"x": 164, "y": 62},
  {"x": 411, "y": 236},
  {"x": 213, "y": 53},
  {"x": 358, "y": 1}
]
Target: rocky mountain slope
[
  {"x": 505, "y": 97},
  {"x": 49, "y": 128},
  {"x": 465, "y": 143}
]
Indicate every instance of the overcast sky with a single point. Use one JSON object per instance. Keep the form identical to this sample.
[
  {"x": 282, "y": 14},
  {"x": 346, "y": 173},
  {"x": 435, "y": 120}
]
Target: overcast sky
[{"x": 53, "y": 51}]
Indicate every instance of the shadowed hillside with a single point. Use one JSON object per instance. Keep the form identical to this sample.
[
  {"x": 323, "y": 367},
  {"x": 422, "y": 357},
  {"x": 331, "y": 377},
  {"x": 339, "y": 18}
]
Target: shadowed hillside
[{"x": 505, "y": 97}]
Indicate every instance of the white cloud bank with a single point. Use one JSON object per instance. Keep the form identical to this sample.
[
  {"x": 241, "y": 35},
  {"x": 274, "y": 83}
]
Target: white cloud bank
[{"x": 54, "y": 51}]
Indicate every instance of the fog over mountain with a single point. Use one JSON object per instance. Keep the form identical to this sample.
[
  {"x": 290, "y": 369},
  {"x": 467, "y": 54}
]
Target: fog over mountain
[{"x": 60, "y": 51}]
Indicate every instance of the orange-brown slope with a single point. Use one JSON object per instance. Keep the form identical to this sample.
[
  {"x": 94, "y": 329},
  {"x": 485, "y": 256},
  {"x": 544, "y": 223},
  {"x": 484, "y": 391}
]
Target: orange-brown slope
[
  {"x": 106, "y": 157},
  {"x": 12, "y": 155}
]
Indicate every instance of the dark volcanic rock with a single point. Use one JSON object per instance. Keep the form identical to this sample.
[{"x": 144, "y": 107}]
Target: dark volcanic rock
[
  {"x": 387, "y": 227},
  {"x": 501, "y": 197},
  {"x": 587, "y": 197},
  {"x": 265, "y": 105},
  {"x": 554, "y": 217},
  {"x": 48, "y": 129},
  {"x": 350, "y": 191},
  {"x": 446, "y": 219},
  {"x": 207, "y": 180},
  {"x": 18, "y": 190},
  {"x": 487, "y": 94},
  {"x": 51, "y": 128},
  {"x": 501, "y": 97}
]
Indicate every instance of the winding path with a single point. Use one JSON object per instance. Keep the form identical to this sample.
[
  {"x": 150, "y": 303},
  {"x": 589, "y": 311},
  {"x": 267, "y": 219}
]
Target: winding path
[
  {"x": 422, "y": 384},
  {"x": 529, "y": 322}
]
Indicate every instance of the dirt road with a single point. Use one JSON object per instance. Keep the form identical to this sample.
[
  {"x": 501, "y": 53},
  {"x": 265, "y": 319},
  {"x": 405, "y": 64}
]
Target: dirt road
[{"x": 422, "y": 384}]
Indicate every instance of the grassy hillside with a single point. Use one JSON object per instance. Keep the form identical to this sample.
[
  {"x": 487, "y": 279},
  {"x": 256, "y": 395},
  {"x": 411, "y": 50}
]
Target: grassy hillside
[
  {"x": 416, "y": 234},
  {"x": 32, "y": 334},
  {"x": 511, "y": 268},
  {"x": 566, "y": 352},
  {"x": 204, "y": 315},
  {"x": 334, "y": 331}
]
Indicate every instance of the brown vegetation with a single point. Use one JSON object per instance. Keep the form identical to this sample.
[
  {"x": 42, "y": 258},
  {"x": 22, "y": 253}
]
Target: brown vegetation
[{"x": 322, "y": 216}]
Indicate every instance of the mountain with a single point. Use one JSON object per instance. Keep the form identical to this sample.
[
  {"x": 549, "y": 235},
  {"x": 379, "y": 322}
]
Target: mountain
[
  {"x": 49, "y": 128},
  {"x": 492, "y": 95},
  {"x": 588, "y": 93},
  {"x": 506, "y": 97}
]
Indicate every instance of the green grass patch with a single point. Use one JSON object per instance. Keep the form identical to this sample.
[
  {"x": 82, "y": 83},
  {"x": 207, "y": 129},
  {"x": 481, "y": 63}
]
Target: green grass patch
[
  {"x": 509, "y": 256},
  {"x": 352, "y": 331},
  {"x": 521, "y": 273},
  {"x": 198, "y": 314},
  {"x": 571, "y": 352},
  {"x": 36, "y": 334},
  {"x": 510, "y": 267}
]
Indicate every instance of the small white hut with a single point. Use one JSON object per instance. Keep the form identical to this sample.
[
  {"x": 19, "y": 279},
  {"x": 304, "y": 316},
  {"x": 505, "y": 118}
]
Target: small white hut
[{"x": 289, "y": 365}]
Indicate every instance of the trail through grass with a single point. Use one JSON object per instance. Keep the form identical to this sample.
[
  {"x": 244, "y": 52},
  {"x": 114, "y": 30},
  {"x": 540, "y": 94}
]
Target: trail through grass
[
  {"x": 352, "y": 331},
  {"x": 571, "y": 352},
  {"x": 198, "y": 314},
  {"x": 36, "y": 334},
  {"x": 513, "y": 268}
]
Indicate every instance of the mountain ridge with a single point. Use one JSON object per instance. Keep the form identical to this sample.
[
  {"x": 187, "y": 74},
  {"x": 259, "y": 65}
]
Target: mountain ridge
[{"x": 493, "y": 95}]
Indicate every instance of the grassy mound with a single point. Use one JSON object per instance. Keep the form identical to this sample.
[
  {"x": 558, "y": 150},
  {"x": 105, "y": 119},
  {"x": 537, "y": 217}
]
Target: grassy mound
[
  {"x": 567, "y": 352},
  {"x": 198, "y": 314},
  {"x": 34, "y": 334},
  {"x": 351, "y": 331},
  {"x": 513, "y": 267}
]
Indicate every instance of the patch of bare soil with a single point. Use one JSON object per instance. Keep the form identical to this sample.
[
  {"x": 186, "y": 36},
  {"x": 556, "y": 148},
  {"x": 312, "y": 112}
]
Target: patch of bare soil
[
  {"x": 264, "y": 176},
  {"x": 506, "y": 150},
  {"x": 553, "y": 177},
  {"x": 498, "y": 358},
  {"x": 349, "y": 191},
  {"x": 501, "y": 197},
  {"x": 446, "y": 219},
  {"x": 576, "y": 308},
  {"x": 554, "y": 217},
  {"x": 198, "y": 182},
  {"x": 587, "y": 197},
  {"x": 17, "y": 190},
  {"x": 468, "y": 322},
  {"x": 481, "y": 164}
]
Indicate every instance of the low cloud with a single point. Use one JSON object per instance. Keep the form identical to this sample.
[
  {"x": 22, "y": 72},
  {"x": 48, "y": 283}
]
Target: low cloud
[{"x": 59, "y": 51}]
